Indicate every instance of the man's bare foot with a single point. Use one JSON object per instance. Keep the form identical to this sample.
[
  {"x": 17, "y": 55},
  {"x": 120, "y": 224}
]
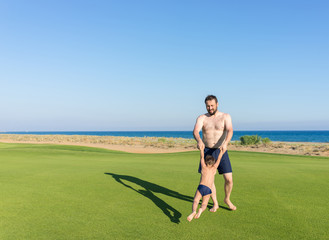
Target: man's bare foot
[
  {"x": 214, "y": 208},
  {"x": 230, "y": 204},
  {"x": 191, "y": 216},
  {"x": 199, "y": 214}
]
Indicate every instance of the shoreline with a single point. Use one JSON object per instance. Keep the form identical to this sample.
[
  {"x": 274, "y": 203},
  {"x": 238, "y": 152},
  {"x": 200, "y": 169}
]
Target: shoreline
[{"x": 162, "y": 144}]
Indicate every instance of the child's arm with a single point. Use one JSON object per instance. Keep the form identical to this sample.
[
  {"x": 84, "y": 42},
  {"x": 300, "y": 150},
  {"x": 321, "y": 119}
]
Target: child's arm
[
  {"x": 219, "y": 158},
  {"x": 203, "y": 164}
]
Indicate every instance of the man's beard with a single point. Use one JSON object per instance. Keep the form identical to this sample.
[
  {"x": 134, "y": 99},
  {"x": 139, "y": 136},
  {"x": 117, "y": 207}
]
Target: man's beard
[{"x": 211, "y": 114}]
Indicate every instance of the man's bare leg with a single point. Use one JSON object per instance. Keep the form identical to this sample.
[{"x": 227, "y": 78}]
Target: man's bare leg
[
  {"x": 214, "y": 198},
  {"x": 196, "y": 201},
  {"x": 228, "y": 186}
]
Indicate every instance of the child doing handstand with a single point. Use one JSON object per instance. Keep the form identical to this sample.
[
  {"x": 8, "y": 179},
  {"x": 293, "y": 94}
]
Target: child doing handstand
[{"x": 208, "y": 170}]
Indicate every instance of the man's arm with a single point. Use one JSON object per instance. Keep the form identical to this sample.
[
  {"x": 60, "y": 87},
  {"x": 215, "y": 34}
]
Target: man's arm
[
  {"x": 196, "y": 131},
  {"x": 229, "y": 134}
]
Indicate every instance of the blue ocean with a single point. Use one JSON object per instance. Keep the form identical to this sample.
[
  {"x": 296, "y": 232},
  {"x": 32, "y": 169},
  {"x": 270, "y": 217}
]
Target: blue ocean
[{"x": 282, "y": 136}]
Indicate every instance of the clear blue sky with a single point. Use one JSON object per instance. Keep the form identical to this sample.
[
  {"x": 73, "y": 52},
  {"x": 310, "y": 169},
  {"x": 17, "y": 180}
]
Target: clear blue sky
[{"x": 148, "y": 65}]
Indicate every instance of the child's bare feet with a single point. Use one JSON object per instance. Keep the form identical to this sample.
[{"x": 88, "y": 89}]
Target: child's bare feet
[
  {"x": 191, "y": 216},
  {"x": 199, "y": 214},
  {"x": 230, "y": 204},
  {"x": 214, "y": 208}
]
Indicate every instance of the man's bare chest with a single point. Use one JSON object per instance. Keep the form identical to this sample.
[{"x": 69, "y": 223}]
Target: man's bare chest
[{"x": 217, "y": 124}]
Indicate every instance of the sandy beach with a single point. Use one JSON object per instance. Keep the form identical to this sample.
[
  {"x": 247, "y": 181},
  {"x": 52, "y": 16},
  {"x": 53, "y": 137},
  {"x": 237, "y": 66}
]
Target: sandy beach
[{"x": 163, "y": 145}]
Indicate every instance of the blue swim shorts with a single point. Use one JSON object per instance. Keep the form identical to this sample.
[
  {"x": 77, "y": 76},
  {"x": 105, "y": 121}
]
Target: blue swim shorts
[
  {"x": 224, "y": 165},
  {"x": 204, "y": 190}
]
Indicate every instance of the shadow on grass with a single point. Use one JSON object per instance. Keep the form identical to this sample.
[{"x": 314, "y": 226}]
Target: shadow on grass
[
  {"x": 150, "y": 189},
  {"x": 223, "y": 207}
]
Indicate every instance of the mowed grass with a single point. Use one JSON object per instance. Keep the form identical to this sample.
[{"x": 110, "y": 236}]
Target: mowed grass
[{"x": 71, "y": 192}]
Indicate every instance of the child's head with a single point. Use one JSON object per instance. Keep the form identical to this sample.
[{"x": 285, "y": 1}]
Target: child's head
[{"x": 209, "y": 160}]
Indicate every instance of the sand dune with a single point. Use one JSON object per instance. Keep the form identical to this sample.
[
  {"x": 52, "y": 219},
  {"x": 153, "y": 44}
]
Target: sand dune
[{"x": 162, "y": 145}]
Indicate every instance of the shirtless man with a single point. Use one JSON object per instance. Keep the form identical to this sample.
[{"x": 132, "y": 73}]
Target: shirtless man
[{"x": 217, "y": 132}]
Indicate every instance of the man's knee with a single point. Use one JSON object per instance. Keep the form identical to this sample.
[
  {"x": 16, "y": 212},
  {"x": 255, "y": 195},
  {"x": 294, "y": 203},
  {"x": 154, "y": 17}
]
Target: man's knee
[
  {"x": 228, "y": 178},
  {"x": 229, "y": 181}
]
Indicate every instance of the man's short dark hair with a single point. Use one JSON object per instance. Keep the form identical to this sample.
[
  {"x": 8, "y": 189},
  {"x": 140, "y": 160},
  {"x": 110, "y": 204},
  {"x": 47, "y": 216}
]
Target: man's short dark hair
[{"x": 211, "y": 97}]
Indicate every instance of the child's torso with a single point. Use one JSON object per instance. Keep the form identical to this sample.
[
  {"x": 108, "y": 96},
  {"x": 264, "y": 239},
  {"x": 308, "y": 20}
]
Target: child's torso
[{"x": 208, "y": 176}]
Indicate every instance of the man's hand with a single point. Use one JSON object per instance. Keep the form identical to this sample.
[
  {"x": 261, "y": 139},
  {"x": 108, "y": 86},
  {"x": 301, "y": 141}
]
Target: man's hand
[
  {"x": 201, "y": 145},
  {"x": 223, "y": 147}
]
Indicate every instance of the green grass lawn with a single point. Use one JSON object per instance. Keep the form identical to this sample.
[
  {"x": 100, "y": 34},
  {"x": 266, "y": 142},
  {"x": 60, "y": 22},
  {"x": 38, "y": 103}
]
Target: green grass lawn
[{"x": 70, "y": 192}]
